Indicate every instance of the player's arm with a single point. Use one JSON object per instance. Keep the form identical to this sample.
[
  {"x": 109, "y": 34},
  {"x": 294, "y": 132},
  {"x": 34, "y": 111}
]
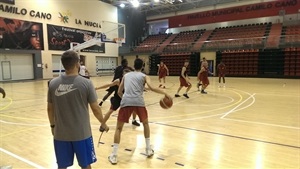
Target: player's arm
[
  {"x": 51, "y": 116},
  {"x": 182, "y": 73},
  {"x": 98, "y": 114},
  {"x": 167, "y": 70},
  {"x": 158, "y": 70},
  {"x": 87, "y": 72},
  {"x": 114, "y": 83},
  {"x": 198, "y": 75},
  {"x": 202, "y": 70},
  {"x": 121, "y": 88},
  {"x": 156, "y": 90}
]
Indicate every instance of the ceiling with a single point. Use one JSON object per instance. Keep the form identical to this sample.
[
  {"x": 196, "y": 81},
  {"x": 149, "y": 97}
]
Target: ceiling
[{"x": 150, "y": 8}]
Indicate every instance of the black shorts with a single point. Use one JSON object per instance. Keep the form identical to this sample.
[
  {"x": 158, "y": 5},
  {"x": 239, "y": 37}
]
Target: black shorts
[{"x": 115, "y": 103}]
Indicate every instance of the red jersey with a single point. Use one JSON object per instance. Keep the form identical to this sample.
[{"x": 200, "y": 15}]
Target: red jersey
[{"x": 221, "y": 68}]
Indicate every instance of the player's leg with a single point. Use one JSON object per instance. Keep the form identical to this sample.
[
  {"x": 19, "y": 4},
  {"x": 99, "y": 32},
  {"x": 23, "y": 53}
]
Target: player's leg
[
  {"x": 224, "y": 80},
  {"x": 219, "y": 79},
  {"x": 182, "y": 83},
  {"x": 108, "y": 114},
  {"x": 203, "y": 89},
  {"x": 85, "y": 152},
  {"x": 105, "y": 97},
  {"x": 143, "y": 115},
  {"x": 134, "y": 122},
  {"x": 189, "y": 86},
  {"x": 178, "y": 90},
  {"x": 123, "y": 117},
  {"x": 117, "y": 138},
  {"x": 164, "y": 82},
  {"x": 159, "y": 79},
  {"x": 64, "y": 153},
  {"x": 115, "y": 104}
]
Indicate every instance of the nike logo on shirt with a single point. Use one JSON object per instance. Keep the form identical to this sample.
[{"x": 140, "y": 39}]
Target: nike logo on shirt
[{"x": 64, "y": 89}]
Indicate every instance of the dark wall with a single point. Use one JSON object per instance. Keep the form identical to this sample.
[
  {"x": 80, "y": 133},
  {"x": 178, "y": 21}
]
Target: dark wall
[{"x": 135, "y": 22}]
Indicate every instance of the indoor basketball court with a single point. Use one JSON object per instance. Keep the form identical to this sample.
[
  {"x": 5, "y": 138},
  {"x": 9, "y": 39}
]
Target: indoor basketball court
[{"x": 250, "y": 123}]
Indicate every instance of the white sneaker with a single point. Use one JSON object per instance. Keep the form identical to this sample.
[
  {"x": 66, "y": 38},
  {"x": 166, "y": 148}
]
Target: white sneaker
[
  {"x": 149, "y": 152},
  {"x": 113, "y": 159}
]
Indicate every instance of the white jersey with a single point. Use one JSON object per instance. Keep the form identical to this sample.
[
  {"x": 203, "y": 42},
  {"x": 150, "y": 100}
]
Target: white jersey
[
  {"x": 133, "y": 89},
  {"x": 82, "y": 70}
]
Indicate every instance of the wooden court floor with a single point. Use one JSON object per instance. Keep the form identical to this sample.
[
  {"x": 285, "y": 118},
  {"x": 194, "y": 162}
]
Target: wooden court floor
[{"x": 251, "y": 123}]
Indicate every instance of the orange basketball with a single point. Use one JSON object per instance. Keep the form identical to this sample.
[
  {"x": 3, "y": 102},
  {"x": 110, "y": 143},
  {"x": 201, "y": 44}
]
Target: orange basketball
[{"x": 166, "y": 103}]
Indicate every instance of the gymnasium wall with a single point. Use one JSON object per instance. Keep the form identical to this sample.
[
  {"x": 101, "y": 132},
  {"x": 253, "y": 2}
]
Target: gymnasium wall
[
  {"x": 145, "y": 58},
  {"x": 135, "y": 22},
  {"x": 209, "y": 56},
  {"x": 76, "y": 15}
]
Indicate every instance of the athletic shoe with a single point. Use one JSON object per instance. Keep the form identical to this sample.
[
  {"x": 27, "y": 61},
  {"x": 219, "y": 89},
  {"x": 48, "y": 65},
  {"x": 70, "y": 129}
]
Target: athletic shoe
[
  {"x": 100, "y": 104},
  {"x": 149, "y": 152},
  {"x": 160, "y": 85},
  {"x": 164, "y": 87},
  {"x": 203, "y": 92},
  {"x": 134, "y": 122},
  {"x": 177, "y": 95},
  {"x": 185, "y": 95},
  {"x": 113, "y": 159}
]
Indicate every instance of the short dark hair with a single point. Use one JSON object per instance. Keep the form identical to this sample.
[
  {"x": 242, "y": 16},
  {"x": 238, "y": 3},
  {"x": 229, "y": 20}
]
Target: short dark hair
[
  {"x": 124, "y": 62},
  {"x": 138, "y": 64},
  {"x": 69, "y": 59}
]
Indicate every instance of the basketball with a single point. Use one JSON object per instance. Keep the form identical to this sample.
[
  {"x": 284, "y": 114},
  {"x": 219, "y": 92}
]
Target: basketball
[{"x": 166, "y": 103}]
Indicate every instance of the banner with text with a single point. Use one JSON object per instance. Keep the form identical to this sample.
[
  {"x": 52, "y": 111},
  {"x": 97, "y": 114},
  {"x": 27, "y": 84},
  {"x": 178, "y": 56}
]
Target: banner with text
[
  {"x": 264, "y": 9},
  {"x": 19, "y": 34},
  {"x": 8, "y": 1},
  {"x": 60, "y": 37}
]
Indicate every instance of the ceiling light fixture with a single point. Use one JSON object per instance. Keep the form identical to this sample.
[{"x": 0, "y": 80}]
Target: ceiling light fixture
[
  {"x": 122, "y": 5},
  {"x": 135, "y": 3}
]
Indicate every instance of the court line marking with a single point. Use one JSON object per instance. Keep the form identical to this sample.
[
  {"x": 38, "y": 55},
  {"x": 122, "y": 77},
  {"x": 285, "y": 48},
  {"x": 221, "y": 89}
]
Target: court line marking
[
  {"x": 180, "y": 115},
  {"x": 273, "y": 94},
  {"x": 22, "y": 124},
  {"x": 230, "y": 111},
  {"x": 22, "y": 159},
  {"x": 19, "y": 131},
  {"x": 266, "y": 124},
  {"x": 6, "y": 106},
  {"x": 232, "y": 136}
]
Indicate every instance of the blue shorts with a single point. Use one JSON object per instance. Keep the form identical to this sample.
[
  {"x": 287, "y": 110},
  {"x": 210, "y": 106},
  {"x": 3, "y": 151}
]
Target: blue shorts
[{"x": 84, "y": 150}]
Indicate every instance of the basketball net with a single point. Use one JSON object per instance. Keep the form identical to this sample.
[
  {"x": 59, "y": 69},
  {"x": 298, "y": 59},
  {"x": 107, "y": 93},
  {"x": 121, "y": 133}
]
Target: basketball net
[{"x": 119, "y": 41}]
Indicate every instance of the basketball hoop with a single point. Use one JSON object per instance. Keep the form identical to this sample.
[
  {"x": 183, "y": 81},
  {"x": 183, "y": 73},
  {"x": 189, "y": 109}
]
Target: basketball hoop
[{"x": 119, "y": 41}]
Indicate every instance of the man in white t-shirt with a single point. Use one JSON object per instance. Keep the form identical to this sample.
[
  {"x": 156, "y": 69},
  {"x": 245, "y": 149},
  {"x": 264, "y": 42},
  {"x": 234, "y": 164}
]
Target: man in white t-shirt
[{"x": 83, "y": 71}]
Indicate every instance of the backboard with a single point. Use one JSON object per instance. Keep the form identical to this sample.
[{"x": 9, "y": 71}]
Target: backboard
[{"x": 113, "y": 32}]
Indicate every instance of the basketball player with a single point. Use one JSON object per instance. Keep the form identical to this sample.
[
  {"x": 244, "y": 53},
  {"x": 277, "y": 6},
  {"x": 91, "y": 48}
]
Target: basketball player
[
  {"x": 203, "y": 76},
  {"x": 133, "y": 101},
  {"x": 163, "y": 71},
  {"x": 83, "y": 71},
  {"x": 184, "y": 80},
  {"x": 116, "y": 100},
  {"x": 199, "y": 80},
  {"x": 117, "y": 74},
  {"x": 2, "y": 92},
  {"x": 68, "y": 113},
  {"x": 221, "y": 72}
]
